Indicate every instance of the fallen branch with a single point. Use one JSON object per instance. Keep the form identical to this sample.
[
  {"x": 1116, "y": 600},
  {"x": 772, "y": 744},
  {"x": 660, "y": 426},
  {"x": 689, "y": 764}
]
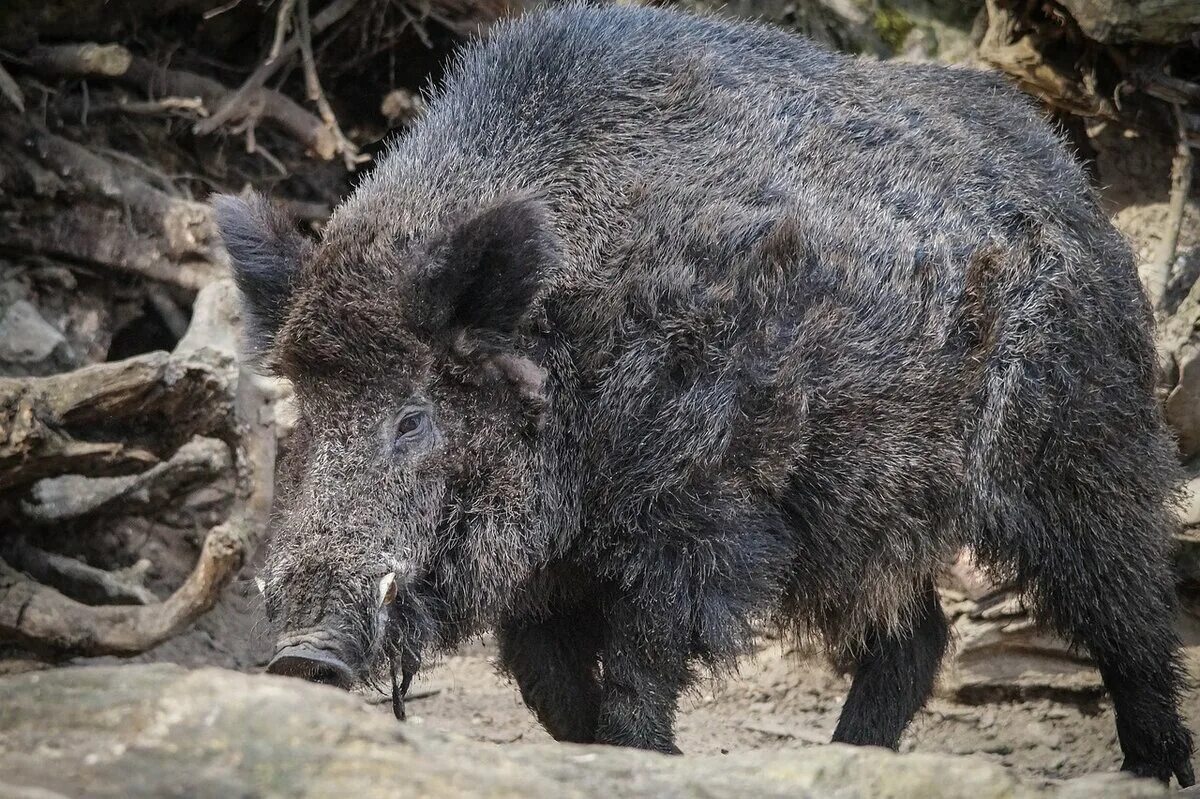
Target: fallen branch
[
  {"x": 71, "y": 496},
  {"x": 80, "y": 580},
  {"x": 82, "y": 60},
  {"x": 10, "y": 89},
  {"x": 1169, "y": 88},
  {"x": 40, "y": 618},
  {"x": 89, "y": 172},
  {"x": 182, "y": 246},
  {"x": 185, "y": 107},
  {"x": 92, "y": 235},
  {"x": 41, "y": 417},
  {"x": 1014, "y": 45},
  {"x": 239, "y": 103},
  {"x": 283, "y": 20},
  {"x": 312, "y": 81}
]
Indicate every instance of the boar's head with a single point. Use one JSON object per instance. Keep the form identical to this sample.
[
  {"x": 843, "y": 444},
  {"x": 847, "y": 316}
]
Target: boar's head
[{"x": 407, "y": 499}]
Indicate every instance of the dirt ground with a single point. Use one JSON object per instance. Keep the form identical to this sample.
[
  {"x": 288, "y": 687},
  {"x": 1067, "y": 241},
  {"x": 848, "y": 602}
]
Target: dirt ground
[{"x": 782, "y": 701}]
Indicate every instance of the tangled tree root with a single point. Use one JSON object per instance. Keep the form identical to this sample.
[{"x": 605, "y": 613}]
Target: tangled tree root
[{"x": 199, "y": 394}]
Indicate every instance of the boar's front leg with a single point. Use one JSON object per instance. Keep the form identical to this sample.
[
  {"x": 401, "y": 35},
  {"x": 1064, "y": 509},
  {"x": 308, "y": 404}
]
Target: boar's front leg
[
  {"x": 645, "y": 669},
  {"x": 893, "y": 676},
  {"x": 554, "y": 661}
]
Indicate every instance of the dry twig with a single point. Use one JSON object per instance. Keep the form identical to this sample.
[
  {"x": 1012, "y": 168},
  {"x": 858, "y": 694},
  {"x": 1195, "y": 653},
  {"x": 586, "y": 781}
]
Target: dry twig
[
  {"x": 149, "y": 78},
  {"x": 1181, "y": 184},
  {"x": 235, "y": 106},
  {"x": 187, "y": 107},
  {"x": 312, "y": 81},
  {"x": 283, "y": 21},
  {"x": 10, "y": 89}
]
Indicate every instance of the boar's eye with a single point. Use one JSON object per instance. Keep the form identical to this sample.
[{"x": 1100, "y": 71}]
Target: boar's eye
[
  {"x": 411, "y": 426},
  {"x": 409, "y": 423}
]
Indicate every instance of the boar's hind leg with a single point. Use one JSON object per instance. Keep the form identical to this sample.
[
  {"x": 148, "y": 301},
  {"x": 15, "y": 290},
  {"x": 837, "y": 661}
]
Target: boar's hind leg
[
  {"x": 893, "y": 677},
  {"x": 1086, "y": 537},
  {"x": 1115, "y": 598},
  {"x": 554, "y": 662}
]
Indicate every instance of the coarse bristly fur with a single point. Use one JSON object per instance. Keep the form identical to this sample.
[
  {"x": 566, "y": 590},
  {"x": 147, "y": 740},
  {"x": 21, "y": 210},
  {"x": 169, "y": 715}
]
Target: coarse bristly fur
[{"x": 657, "y": 324}]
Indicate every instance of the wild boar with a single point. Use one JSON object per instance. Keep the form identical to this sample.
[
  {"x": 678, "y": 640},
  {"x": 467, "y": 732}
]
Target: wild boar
[{"x": 658, "y": 326}]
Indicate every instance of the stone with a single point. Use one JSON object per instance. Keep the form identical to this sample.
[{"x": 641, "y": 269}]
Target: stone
[
  {"x": 1130, "y": 21},
  {"x": 161, "y": 730},
  {"x": 25, "y": 337}
]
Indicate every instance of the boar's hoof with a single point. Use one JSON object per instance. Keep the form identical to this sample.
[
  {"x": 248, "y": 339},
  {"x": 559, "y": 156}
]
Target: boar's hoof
[{"x": 312, "y": 664}]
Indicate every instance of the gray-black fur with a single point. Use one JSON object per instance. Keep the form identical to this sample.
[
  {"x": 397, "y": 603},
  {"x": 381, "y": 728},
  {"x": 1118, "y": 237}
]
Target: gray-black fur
[{"x": 656, "y": 325}]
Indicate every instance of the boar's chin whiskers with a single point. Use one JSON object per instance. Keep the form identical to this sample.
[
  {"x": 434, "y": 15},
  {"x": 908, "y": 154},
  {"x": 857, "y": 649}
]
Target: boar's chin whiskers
[{"x": 400, "y": 684}]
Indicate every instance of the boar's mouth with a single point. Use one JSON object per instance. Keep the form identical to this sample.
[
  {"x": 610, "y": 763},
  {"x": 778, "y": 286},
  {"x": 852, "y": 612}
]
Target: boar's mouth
[{"x": 395, "y": 631}]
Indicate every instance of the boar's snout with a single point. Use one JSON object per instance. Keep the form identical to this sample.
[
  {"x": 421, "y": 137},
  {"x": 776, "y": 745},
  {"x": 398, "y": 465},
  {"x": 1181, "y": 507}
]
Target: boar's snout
[{"x": 311, "y": 663}]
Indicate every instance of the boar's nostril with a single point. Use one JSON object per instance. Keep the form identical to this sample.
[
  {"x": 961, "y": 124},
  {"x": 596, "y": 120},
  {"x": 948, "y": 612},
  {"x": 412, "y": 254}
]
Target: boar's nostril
[{"x": 312, "y": 664}]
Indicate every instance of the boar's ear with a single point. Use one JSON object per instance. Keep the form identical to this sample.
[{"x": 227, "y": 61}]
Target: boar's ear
[
  {"x": 265, "y": 251},
  {"x": 493, "y": 263}
]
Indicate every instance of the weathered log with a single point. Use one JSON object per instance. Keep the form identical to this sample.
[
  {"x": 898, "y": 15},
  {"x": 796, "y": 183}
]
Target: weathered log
[
  {"x": 1018, "y": 46},
  {"x": 1101, "y": 59},
  {"x": 88, "y": 173},
  {"x": 45, "y": 422},
  {"x": 48, "y": 425},
  {"x": 40, "y": 618}
]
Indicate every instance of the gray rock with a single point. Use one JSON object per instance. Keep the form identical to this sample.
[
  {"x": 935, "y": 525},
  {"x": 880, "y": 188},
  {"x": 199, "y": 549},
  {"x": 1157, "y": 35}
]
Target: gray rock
[
  {"x": 1125, "y": 21},
  {"x": 1000, "y": 653},
  {"x": 160, "y": 730},
  {"x": 25, "y": 337}
]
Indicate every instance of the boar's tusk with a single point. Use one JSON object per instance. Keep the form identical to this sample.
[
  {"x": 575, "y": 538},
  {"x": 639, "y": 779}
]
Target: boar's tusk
[
  {"x": 387, "y": 589},
  {"x": 261, "y": 583}
]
